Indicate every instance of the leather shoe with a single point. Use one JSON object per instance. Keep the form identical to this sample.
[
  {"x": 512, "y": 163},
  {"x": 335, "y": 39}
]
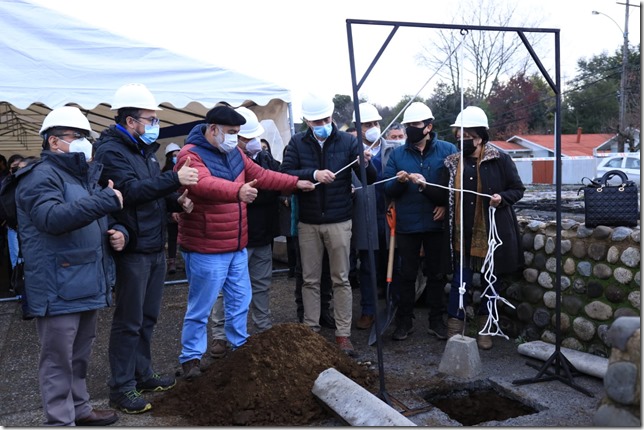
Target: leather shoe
[
  {"x": 98, "y": 417},
  {"x": 365, "y": 322}
]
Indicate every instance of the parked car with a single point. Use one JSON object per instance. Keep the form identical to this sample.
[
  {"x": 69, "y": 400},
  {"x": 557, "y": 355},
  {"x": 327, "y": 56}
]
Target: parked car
[{"x": 629, "y": 164}]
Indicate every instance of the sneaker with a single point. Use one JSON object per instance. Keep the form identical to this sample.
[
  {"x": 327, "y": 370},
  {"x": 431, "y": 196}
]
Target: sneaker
[
  {"x": 129, "y": 402},
  {"x": 365, "y": 322},
  {"x": 401, "y": 331},
  {"x": 156, "y": 382},
  {"x": 345, "y": 345},
  {"x": 191, "y": 369},
  {"x": 438, "y": 328},
  {"x": 219, "y": 348}
]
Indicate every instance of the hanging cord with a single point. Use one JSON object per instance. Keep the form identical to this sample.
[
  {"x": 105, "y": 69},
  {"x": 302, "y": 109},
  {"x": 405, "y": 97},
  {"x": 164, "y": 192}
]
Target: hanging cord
[
  {"x": 382, "y": 133},
  {"x": 462, "y": 287},
  {"x": 494, "y": 241}
]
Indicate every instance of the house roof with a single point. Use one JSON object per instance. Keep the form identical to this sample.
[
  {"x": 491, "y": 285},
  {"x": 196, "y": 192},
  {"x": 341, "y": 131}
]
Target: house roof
[
  {"x": 508, "y": 146},
  {"x": 572, "y": 145}
]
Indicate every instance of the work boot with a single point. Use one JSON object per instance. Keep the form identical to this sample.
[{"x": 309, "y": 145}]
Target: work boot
[
  {"x": 403, "y": 329},
  {"x": 219, "y": 348},
  {"x": 191, "y": 369},
  {"x": 454, "y": 327},
  {"x": 484, "y": 341},
  {"x": 172, "y": 266},
  {"x": 437, "y": 328}
]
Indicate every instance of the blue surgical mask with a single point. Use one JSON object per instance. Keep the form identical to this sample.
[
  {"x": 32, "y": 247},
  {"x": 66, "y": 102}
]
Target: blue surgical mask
[
  {"x": 151, "y": 134},
  {"x": 323, "y": 131},
  {"x": 174, "y": 160}
]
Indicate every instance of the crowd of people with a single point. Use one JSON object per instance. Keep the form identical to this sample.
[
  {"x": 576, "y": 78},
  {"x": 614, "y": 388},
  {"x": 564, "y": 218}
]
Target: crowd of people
[{"x": 108, "y": 220}]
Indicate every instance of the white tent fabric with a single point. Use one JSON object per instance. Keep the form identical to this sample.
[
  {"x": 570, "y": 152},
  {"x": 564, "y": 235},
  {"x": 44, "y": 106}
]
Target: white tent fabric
[{"x": 50, "y": 59}]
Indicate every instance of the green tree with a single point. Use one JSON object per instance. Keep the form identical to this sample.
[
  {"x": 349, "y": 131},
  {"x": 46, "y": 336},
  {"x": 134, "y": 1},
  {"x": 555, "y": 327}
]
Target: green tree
[{"x": 592, "y": 99}]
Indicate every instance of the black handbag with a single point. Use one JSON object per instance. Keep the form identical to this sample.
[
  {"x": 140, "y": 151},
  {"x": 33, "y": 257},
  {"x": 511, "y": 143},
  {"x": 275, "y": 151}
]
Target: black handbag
[{"x": 611, "y": 205}]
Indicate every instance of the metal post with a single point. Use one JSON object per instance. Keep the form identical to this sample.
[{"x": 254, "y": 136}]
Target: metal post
[{"x": 622, "y": 90}]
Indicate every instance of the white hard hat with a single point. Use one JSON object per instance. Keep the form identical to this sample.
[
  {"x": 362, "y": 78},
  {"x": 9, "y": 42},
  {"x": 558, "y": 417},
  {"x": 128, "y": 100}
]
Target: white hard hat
[
  {"x": 66, "y": 116},
  {"x": 368, "y": 113},
  {"x": 171, "y": 148},
  {"x": 252, "y": 128},
  {"x": 417, "y": 111},
  {"x": 134, "y": 96},
  {"x": 471, "y": 116},
  {"x": 316, "y": 107}
]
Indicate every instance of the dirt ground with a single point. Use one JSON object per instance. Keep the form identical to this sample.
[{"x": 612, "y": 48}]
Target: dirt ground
[{"x": 266, "y": 382}]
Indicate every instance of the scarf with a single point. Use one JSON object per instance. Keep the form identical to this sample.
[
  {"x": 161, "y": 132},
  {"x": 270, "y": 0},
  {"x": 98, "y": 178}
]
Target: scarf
[{"x": 479, "y": 247}]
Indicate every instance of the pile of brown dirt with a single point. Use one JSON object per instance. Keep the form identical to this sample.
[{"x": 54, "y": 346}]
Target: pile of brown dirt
[{"x": 266, "y": 382}]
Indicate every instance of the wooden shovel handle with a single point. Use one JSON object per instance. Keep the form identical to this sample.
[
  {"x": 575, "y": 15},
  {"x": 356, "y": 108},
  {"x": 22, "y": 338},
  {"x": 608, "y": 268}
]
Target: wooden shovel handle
[{"x": 390, "y": 262}]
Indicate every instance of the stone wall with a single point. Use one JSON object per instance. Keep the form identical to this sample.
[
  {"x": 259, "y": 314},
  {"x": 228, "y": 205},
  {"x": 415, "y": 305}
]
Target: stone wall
[
  {"x": 600, "y": 282},
  {"x": 623, "y": 380}
]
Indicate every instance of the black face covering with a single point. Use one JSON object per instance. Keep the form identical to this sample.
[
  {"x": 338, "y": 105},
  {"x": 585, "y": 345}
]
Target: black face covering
[
  {"x": 415, "y": 134},
  {"x": 468, "y": 147}
]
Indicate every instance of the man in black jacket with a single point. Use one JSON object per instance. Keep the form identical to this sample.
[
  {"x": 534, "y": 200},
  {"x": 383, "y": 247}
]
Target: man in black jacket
[
  {"x": 324, "y": 153},
  {"x": 127, "y": 151}
]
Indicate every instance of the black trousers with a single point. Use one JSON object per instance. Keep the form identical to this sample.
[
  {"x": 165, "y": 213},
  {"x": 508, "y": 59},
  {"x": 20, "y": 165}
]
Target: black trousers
[{"x": 409, "y": 246}]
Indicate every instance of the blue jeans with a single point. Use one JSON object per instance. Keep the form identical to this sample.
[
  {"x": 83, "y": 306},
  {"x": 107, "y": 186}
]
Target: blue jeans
[
  {"x": 14, "y": 247},
  {"x": 208, "y": 274},
  {"x": 453, "y": 310}
]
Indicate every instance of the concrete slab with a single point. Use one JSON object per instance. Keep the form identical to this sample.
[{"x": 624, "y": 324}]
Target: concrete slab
[
  {"x": 461, "y": 357},
  {"x": 586, "y": 363},
  {"x": 354, "y": 404}
]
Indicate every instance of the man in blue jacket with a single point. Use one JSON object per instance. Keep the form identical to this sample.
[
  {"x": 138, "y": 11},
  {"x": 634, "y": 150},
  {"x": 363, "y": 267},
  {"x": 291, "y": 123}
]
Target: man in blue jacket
[
  {"x": 323, "y": 154},
  {"x": 127, "y": 151},
  {"x": 420, "y": 214},
  {"x": 69, "y": 271}
]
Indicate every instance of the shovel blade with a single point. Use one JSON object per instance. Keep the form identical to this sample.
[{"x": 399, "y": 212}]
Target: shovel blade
[{"x": 387, "y": 315}]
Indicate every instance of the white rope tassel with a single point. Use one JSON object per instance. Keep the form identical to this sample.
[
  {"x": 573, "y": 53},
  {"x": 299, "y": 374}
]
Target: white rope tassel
[{"x": 492, "y": 327}]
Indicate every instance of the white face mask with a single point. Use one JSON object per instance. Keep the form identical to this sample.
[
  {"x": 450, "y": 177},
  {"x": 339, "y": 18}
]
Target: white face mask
[
  {"x": 226, "y": 142},
  {"x": 372, "y": 134},
  {"x": 80, "y": 145},
  {"x": 253, "y": 147}
]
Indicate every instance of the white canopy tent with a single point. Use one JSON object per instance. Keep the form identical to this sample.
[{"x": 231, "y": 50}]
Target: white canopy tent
[{"x": 50, "y": 60}]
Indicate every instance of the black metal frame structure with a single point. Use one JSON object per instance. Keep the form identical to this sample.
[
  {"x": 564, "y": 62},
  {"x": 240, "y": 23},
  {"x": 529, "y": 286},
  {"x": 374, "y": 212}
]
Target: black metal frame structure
[{"x": 563, "y": 369}]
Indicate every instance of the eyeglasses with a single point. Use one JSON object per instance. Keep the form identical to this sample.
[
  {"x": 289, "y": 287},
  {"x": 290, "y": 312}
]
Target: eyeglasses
[
  {"x": 74, "y": 135},
  {"x": 153, "y": 119}
]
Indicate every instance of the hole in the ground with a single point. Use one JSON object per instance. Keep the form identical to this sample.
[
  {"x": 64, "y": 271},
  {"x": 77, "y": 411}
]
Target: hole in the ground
[{"x": 478, "y": 404}]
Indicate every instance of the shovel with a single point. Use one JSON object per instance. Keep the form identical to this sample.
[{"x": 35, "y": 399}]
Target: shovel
[{"x": 388, "y": 314}]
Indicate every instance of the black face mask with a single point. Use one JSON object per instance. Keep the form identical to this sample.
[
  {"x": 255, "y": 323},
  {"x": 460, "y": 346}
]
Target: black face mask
[
  {"x": 414, "y": 134},
  {"x": 468, "y": 147}
]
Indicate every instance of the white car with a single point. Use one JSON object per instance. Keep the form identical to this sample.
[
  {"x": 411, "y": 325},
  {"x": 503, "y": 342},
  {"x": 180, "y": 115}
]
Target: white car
[{"x": 629, "y": 164}]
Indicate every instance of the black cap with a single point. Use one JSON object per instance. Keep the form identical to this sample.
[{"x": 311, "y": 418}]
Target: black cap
[{"x": 224, "y": 115}]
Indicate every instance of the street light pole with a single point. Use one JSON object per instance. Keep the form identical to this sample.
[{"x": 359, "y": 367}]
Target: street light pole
[{"x": 621, "y": 137}]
